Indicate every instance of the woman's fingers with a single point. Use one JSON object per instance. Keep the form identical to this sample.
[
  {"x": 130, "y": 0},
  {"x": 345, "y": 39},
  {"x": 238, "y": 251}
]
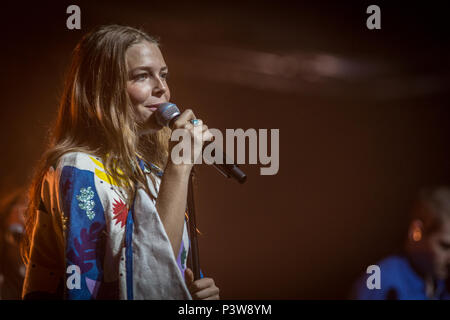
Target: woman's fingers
[
  {"x": 215, "y": 297},
  {"x": 197, "y": 131},
  {"x": 207, "y": 294},
  {"x": 186, "y": 116},
  {"x": 184, "y": 122},
  {"x": 189, "y": 125},
  {"x": 204, "y": 288},
  {"x": 188, "y": 277},
  {"x": 207, "y": 135},
  {"x": 200, "y": 135}
]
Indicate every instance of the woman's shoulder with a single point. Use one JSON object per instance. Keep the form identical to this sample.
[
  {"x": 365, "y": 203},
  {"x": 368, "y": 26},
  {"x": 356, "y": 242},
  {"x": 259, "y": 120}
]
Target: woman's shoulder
[
  {"x": 86, "y": 168},
  {"x": 80, "y": 160}
]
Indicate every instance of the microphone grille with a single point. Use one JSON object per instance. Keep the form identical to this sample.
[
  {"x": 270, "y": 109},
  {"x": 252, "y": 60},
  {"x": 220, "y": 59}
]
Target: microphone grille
[{"x": 166, "y": 112}]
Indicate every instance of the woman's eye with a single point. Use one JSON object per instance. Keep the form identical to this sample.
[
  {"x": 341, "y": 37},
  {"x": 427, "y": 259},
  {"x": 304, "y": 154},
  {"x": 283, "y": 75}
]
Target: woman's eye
[
  {"x": 141, "y": 76},
  {"x": 165, "y": 75}
]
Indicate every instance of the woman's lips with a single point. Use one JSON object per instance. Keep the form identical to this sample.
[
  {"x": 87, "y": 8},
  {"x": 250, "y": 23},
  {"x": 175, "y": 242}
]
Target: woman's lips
[{"x": 153, "y": 107}]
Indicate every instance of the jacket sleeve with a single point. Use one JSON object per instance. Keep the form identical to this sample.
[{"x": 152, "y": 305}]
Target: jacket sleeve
[
  {"x": 68, "y": 242},
  {"x": 45, "y": 268},
  {"x": 156, "y": 272}
]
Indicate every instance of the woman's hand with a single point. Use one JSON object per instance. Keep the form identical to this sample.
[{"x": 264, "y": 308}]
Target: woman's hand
[
  {"x": 198, "y": 135},
  {"x": 201, "y": 289}
]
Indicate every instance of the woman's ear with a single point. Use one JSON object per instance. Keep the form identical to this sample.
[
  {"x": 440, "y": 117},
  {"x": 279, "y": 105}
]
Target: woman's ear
[{"x": 416, "y": 231}]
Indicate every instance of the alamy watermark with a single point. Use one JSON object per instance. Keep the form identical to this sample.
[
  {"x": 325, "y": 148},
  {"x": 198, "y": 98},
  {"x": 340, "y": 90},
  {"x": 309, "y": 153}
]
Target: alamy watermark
[
  {"x": 74, "y": 20},
  {"x": 185, "y": 152},
  {"x": 374, "y": 20},
  {"x": 374, "y": 280}
]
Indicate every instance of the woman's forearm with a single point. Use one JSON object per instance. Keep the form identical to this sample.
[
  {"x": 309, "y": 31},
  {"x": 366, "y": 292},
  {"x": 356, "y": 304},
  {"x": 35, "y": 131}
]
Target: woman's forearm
[{"x": 171, "y": 202}]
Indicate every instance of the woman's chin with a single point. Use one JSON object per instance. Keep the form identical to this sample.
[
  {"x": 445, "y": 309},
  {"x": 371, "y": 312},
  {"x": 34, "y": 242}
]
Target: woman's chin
[
  {"x": 150, "y": 130},
  {"x": 149, "y": 126}
]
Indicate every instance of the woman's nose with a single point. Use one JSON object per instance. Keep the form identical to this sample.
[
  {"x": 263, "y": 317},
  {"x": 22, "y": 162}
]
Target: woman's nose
[{"x": 160, "y": 87}]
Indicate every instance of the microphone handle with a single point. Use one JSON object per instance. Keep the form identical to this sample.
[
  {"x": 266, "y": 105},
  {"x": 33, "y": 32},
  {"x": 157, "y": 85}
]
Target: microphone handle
[{"x": 229, "y": 170}]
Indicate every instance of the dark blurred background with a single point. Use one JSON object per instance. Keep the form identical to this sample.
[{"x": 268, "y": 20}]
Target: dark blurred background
[{"x": 363, "y": 118}]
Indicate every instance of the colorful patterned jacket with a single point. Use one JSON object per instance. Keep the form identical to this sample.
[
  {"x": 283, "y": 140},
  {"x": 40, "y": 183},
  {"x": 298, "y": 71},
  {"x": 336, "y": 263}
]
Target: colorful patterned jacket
[{"x": 87, "y": 244}]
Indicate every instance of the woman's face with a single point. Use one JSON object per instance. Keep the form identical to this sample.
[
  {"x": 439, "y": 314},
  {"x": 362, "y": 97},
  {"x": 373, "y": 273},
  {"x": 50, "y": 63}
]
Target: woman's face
[{"x": 146, "y": 85}]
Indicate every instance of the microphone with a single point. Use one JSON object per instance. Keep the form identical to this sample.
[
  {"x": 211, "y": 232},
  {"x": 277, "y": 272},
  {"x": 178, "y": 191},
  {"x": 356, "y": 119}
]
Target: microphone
[{"x": 168, "y": 112}]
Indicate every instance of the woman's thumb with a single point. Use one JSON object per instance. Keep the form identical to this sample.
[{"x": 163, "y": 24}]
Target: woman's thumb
[{"x": 188, "y": 276}]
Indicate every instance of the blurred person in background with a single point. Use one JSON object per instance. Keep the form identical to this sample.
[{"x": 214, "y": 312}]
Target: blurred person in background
[
  {"x": 12, "y": 224},
  {"x": 421, "y": 272}
]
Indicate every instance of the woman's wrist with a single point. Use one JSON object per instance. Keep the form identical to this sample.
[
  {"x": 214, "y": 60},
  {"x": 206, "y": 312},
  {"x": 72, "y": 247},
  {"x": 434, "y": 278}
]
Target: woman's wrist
[{"x": 182, "y": 170}]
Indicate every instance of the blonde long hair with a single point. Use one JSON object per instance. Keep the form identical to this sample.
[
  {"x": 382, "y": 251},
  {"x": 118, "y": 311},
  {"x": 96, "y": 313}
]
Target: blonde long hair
[{"x": 96, "y": 116}]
